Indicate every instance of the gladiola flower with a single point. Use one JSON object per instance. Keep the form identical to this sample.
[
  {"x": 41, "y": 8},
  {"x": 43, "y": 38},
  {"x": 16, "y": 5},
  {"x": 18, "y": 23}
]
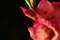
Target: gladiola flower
[{"x": 46, "y": 19}]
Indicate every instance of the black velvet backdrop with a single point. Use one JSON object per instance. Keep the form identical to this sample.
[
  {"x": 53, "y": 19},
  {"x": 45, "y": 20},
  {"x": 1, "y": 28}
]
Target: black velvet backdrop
[{"x": 19, "y": 22}]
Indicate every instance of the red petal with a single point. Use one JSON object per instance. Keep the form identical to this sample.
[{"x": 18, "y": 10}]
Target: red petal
[
  {"x": 56, "y": 6},
  {"x": 28, "y": 13},
  {"x": 45, "y": 6}
]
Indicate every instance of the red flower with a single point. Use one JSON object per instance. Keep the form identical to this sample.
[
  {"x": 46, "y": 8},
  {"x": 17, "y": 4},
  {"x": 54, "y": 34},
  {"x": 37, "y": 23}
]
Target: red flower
[{"x": 46, "y": 20}]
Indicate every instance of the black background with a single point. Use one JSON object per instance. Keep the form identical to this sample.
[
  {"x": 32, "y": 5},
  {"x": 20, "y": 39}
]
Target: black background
[{"x": 18, "y": 23}]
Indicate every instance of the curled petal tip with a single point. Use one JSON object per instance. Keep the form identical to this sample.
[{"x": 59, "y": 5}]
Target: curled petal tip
[
  {"x": 28, "y": 13},
  {"x": 24, "y": 9}
]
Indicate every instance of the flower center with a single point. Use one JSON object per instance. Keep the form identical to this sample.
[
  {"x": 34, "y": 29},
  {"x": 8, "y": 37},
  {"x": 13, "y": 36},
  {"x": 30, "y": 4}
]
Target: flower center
[{"x": 50, "y": 33}]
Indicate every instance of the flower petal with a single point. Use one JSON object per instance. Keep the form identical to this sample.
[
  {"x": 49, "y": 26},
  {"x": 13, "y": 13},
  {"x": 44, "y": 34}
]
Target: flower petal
[
  {"x": 28, "y": 13},
  {"x": 45, "y": 8},
  {"x": 56, "y": 6}
]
